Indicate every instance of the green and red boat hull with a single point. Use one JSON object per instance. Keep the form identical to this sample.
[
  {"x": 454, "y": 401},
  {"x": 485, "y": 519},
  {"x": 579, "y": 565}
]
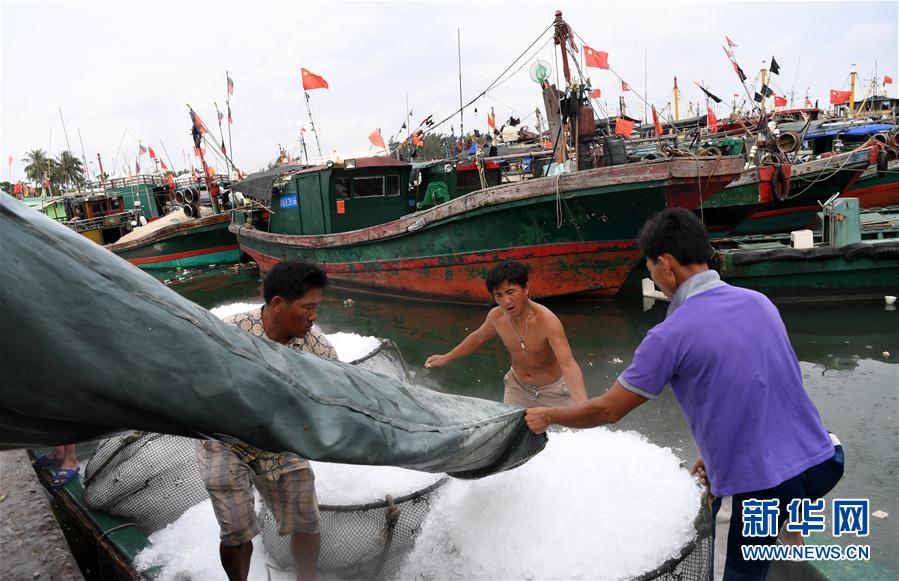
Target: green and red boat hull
[
  {"x": 202, "y": 242},
  {"x": 811, "y": 184},
  {"x": 876, "y": 189},
  {"x": 579, "y": 243},
  {"x": 744, "y": 196}
]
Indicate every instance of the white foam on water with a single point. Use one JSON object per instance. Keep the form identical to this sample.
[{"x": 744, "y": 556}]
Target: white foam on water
[
  {"x": 349, "y": 346},
  {"x": 343, "y": 484},
  {"x": 596, "y": 504}
]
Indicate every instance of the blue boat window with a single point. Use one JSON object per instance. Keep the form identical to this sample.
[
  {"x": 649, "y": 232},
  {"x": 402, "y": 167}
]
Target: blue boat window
[
  {"x": 366, "y": 187},
  {"x": 289, "y": 201},
  {"x": 393, "y": 185}
]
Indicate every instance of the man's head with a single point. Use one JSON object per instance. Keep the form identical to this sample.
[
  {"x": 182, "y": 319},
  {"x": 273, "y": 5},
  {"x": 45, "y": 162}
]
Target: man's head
[
  {"x": 292, "y": 292},
  {"x": 508, "y": 284},
  {"x": 676, "y": 246}
]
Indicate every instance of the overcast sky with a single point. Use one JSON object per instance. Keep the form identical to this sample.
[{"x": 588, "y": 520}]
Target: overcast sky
[{"x": 131, "y": 68}]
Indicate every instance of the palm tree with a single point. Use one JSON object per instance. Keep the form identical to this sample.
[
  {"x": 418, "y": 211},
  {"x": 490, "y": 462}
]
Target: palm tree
[
  {"x": 38, "y": 165},
  {"x": 69, "y": 169}
]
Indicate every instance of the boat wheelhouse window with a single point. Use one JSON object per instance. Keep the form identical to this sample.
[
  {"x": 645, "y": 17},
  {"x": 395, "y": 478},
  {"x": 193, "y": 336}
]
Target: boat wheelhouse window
[
  {"x": 468, "y": 179},
  {"x": 365, "y": 187},
  {"x": 342, "y": 188},
  {"x": 393, "y": 185}
]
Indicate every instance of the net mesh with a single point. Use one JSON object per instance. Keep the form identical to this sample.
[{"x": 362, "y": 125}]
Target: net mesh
[{"x": 152, "y": 479}]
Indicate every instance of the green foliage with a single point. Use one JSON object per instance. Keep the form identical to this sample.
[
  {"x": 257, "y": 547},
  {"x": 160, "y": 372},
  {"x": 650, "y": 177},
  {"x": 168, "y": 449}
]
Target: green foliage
[{"x": 38, "y": 165}]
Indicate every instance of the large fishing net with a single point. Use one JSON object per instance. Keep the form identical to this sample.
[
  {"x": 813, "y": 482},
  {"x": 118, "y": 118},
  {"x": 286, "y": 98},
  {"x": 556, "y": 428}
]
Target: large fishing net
[{"x": 152, "y": 479}]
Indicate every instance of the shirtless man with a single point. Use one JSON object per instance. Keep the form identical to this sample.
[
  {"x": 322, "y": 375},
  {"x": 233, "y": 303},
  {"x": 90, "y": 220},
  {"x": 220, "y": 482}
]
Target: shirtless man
[{"x": 543, "y": 373}]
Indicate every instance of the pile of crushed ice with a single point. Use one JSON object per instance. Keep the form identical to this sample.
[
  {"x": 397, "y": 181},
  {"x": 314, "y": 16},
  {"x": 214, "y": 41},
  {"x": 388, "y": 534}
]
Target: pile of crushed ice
[{"x": 595, "y": 504}]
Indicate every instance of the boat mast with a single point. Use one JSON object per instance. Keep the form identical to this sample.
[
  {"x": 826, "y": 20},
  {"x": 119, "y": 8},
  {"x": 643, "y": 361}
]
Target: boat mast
[
  {"x": 852, "y": 91},
  {"x": 312, "y": 125},
  {"x": 676, "y": 101},
  {"x": 68, "y": 147},
  {"x": 210, "y": 185},
  {"x": 461, "y": 107}
]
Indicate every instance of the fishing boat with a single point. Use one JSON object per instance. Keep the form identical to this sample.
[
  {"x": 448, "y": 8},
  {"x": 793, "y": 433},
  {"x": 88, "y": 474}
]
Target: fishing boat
[
  {"x": 876, "y": 187},
  {"x": 855, "y": 256},
  {"x": 193, "y": 235},
  {"x": 575, "y": 230}
]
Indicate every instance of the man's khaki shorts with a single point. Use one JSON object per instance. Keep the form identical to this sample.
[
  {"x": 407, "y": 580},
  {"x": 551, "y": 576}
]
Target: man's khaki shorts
[{"x": 229, "y": 482}]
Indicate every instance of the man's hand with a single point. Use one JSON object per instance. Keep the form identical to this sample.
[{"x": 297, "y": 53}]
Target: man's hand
[
  {"x": 699, "y": 470},
  {"x": 538, "y": 419},
  {"x": 436, "y": 361}
]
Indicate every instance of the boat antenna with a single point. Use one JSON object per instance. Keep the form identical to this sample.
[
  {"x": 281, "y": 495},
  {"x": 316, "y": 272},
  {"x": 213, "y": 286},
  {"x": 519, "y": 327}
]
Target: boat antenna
[
  {"x": 83, "y": 157},
  {"x": 461, "y": 106},
  {"x": 312, "y": 125},
  {"x": 68, "y": 147},
  {"x": 230, "y": 88}
]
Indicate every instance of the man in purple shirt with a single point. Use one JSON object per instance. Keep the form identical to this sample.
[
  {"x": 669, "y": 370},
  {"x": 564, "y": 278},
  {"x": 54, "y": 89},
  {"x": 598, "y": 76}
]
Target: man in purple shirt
[{"x": 726, "y": 354}]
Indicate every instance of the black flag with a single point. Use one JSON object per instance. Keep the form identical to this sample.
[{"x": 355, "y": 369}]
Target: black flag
[
  {"x": 709, "y": 95},
  {"x": 775, "y": 68},
  {"x": 759, "y": 98},
  {"x": 768, "y": 90}
]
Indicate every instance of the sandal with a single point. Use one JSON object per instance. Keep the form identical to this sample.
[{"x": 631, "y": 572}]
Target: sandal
[
  {"x": 46, "y": 461},
  {"x": 63, "y": 476}
]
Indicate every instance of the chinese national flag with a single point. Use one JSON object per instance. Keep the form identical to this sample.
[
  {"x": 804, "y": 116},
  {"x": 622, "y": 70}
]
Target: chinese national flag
[
  {"x": 887, "y": 80},
  {"x": 839, "y": 97},
  {"x": 808, "y": 102},
  {"x": 152, "y": 153},
  {"x": 199, "y": 152},
  {"x": 313, "y": 81},
  {"x": 198, "y": 123},
  {"x": 376, "y": 139},
  {"x": 624, "y": 86},
  {"x": 162, "y": 165},
  {"x": 780, "y": 101},
  {"x": 596, "y": 94},
  {"x": 656, "y": 122},
  {"x": 17, "y": 189},
  {"x": 712, "y": 121},
  {"x": 230, "y": 84},
  {"x": 624, "y": 127},
  {"x": 491, "y": 121},
  {"x": 596, "y": 58}
]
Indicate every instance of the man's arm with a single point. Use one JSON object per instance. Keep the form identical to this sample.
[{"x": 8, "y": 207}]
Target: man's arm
[
  {"x": 605, "y": 409},
  {"x": 571, "y": 371},
  {"x": 469, "y": 345}
]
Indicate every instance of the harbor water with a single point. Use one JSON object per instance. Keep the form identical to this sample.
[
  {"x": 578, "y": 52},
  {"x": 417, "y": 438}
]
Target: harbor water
[{"x": 848, "y": 353}]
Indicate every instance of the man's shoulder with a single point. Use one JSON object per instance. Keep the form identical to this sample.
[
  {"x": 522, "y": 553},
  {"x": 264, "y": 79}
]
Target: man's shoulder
[
  {"x": 315, "y": 342},
  {"x": 250, "y": 321}
]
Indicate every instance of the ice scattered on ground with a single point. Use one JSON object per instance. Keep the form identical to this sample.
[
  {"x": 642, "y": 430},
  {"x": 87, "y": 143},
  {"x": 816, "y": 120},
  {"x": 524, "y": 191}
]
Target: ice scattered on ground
[
  {"x": 349, "y": 346},
  {"x": 595, "y": 504},
  {"x": 350, "y": 484}
]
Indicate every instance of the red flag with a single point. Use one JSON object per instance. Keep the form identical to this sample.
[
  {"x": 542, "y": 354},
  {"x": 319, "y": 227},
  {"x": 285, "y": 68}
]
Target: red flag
[
  {"x": 198, "y": 123},
  {"x": 596, "y": 94},
  {"x": 624, "y": 127},
  {"x": 596, "y": 58},
  {"x": 780, "y": 101},
  {"x": 808, "y": 102},
  {"x": 416, "y": 139},
  {"x": 230, "y": 84},
  {"x": 491, "y": 121},
  {"x": 376, "y": 139},
  {"x": 712, "y": 121},
  {"x": 302, "y": 130},
  {"x": 547, "y": 144},
  {"x": 17, "y": 189},
  {"x": 839, "y": 97},
  {"x": 193, "y": 174},
  {"x": 887, "y": 80},
  {"x": 624, "y": 86},
  {"x": 313, "y": 81},
  {"x": 10, "y": 161},
  {"x": 230, "y": 119},
  {"x": 47, "y": 183},
  {"x": 199, "y": 152},
  {"x": 162, "y": 164},
  {"x": 730, "y": 43},
  {"x": 152, "y": 153},
  {"x": 142, "y": 151},
  {"x": 656, "y": 123}
]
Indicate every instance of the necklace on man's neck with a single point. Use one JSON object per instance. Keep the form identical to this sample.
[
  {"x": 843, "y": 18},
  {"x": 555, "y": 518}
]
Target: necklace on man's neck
[{"x": 514, "y": 330}]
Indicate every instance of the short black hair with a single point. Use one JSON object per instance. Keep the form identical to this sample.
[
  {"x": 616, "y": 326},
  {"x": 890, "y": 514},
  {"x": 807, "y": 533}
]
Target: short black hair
[
  {"x": 510, "y": 272},
  {"x": 292, "y": 280},
  {"x": 678, "y": 232}
]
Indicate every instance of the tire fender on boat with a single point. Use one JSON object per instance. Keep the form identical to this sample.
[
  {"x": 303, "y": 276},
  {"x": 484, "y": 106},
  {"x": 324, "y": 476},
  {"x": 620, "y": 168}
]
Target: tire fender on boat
[{"x": 780, "y": 184}]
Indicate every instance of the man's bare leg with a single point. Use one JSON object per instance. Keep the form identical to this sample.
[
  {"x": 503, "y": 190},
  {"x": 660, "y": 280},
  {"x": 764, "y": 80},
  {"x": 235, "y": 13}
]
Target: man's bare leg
[
  {"x": 236, "y": 560},
  {"x": 305, "y": 548}
]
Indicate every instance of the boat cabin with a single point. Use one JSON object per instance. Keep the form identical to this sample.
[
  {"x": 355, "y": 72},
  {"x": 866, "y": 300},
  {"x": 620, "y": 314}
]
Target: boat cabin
[
  {"x": 438, "y": 181},
  {"x": 100, "y": 216}
]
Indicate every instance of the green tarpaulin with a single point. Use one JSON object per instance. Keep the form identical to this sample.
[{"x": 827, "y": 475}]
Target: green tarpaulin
[{"x": 91, "y": 345}]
